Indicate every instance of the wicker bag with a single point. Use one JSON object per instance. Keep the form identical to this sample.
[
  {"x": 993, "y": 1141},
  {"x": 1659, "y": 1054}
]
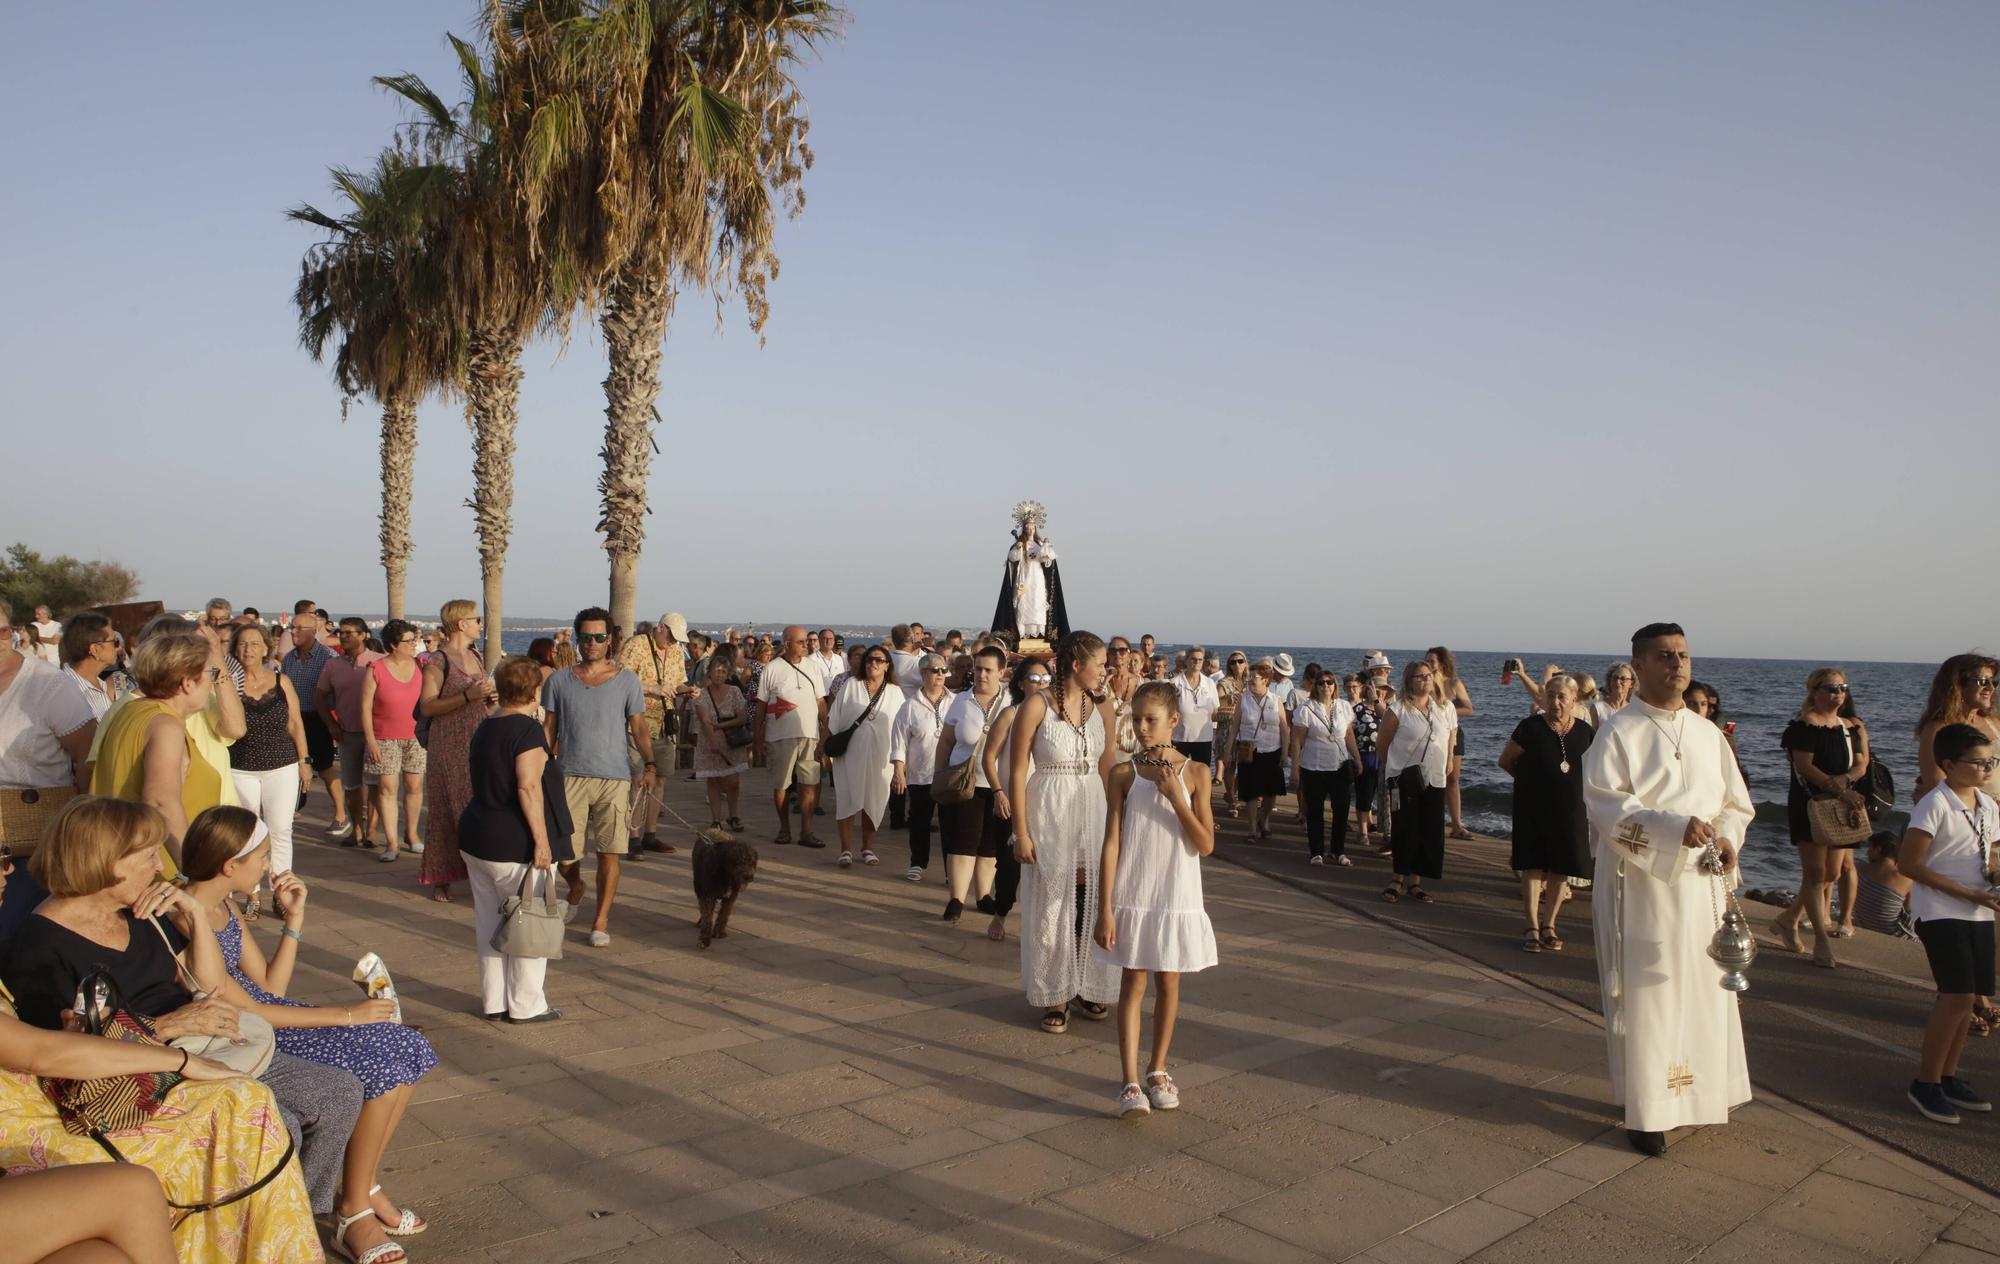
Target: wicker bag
[{"x": 25, "y": 815}]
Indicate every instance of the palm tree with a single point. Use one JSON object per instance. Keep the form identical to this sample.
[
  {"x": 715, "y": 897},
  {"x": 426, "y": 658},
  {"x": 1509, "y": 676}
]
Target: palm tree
[
  {"x": 656, "y": 141},
  {"x": 365, "y": 289},
  {"x": 494, "y": 292}
]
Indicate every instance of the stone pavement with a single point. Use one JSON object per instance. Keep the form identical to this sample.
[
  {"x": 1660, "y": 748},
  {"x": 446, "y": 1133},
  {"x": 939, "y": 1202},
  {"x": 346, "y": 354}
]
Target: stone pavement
[{"x": 845, "y": 1078}]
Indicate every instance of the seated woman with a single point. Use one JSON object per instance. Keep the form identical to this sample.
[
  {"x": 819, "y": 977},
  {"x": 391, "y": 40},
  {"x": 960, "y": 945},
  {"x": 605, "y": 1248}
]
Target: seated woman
[
  {"x": 123, "y": 1217},
  {"x": 99, "y": 863},
  {"x": 215, "y": 1133},
  {"x": 227, "y": 852}
]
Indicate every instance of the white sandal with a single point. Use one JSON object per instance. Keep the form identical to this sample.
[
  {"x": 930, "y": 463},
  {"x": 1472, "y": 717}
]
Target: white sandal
[
  {"x": 380, "y": 1253},
  {"x": 1131, "y": 1101},
  {"x": 409, "y": 1226},
  {"x": 1161, "y": 1092}
]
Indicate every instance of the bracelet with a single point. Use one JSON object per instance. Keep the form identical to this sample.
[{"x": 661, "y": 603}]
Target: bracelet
[
  {"x": 182, "y": 1069},
  {"x": 295, "y": 936}
]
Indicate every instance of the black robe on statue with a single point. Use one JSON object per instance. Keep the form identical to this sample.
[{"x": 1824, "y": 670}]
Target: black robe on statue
[{"x": 1003, "y": 613}]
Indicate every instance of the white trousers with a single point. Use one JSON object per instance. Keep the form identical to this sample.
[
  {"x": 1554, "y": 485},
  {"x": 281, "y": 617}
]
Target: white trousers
[
  {"x": 274, "y": 797},
  {"x": 506, "y": 984}
]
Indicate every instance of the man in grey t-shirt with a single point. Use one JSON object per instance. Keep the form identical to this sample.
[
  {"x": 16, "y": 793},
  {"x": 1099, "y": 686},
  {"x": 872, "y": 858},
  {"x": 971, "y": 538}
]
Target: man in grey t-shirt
[{"x": 594, "y": 710}]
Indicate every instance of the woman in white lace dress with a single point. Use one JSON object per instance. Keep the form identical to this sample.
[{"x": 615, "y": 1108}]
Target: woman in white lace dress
[{"x": 1058, "y": 814}]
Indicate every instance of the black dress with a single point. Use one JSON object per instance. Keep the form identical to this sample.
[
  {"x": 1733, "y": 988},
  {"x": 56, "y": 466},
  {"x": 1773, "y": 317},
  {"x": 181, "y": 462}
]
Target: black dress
[
  {"x": 1551, "y": 829},
  {"x": 492, "y": 827},
  {"x": 1828, "y": 746}
]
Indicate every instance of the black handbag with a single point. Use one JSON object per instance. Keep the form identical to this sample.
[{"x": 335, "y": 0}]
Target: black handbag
[{"x": 836, "y": 743}]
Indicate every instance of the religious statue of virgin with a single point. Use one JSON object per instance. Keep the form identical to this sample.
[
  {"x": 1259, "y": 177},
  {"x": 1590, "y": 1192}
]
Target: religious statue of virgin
[{"x": 1031, "y": 596}]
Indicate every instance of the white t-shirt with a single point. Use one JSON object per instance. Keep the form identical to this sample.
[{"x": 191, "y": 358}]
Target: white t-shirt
[
  {"x": 1423, "y": 739},
  {"x": 1600, "y": 713},
  {"x": 1284, "y": 690},
  {"x": 904, "y": 671},
  {"x": 790, "y": 693},
  {"x": 1260, "y": 721},
  {"x": 1960, "y": 838},
  {"x": 967, "y": 721},
  {"x": 1325, "y": 729},
  {"x": 39, "y": 708},
  {"x": 1198, "y": 704},
  {"x": 50, "y": 633},
  {"x": 830, "y": 667}
]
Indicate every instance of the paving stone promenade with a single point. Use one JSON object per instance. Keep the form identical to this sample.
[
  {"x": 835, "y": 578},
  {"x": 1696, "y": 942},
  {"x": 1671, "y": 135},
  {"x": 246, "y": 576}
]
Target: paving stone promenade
[{"x": 846, "y": 1079}]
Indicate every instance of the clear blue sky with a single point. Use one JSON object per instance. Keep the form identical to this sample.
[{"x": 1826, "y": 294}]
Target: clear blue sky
[{"x": 1502, "y": 325}]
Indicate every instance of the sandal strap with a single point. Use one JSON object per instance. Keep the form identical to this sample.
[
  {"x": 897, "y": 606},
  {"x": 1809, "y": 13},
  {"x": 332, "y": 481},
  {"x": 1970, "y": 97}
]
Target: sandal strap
[{"x": 373, "y": 1255}]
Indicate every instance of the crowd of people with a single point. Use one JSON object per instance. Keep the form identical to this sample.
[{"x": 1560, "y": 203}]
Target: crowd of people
[{"x": 153, "y": 791}]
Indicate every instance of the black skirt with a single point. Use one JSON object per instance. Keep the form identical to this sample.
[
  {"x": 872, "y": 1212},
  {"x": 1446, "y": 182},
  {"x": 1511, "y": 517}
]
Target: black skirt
[{"x": 1260, "y": 776}]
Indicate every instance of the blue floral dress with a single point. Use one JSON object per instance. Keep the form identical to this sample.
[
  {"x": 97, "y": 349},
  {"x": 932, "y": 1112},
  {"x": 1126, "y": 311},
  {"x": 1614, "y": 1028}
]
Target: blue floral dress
[{"x": 383, "y": 1056}]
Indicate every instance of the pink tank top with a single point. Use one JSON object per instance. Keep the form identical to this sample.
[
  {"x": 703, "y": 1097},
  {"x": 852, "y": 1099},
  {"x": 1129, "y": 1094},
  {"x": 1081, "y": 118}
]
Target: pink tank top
[{"x": 396, "y": 702}]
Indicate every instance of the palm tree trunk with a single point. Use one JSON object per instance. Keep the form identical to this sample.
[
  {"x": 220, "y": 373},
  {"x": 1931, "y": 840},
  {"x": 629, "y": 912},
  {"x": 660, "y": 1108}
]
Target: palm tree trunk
[
  {"x": 399, "y": 460},
  {"x": 493, "y": 390},
  {"x": 635, "y": 326}
]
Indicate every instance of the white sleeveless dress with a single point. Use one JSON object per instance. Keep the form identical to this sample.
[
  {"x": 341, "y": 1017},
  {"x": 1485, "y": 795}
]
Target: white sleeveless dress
[
  {"x": 1066, "y": 809},
  {"x": 1156, "y": 901}
]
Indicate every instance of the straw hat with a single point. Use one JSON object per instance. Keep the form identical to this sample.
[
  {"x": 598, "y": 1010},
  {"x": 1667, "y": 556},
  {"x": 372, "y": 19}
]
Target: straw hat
[
  {"x": 677, "y": 625},
  {"x": 1284, "y": 665}
]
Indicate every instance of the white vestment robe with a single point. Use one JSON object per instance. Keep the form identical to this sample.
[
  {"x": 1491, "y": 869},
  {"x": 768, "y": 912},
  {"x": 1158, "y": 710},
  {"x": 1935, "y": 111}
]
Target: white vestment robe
[
  {"x": 1031, "y": 586},
  {"x": 1675, "y": 1038}
]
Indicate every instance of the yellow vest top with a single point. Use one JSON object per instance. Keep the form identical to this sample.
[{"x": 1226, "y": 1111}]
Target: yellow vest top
[{"x": 121, "y": 764}]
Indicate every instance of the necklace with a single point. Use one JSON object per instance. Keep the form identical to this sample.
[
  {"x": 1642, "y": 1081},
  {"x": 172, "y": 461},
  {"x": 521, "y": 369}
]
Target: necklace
[
  {"x": 1161, "y": 762},
  {"x": 1679, "y": 731},
  {"x": 1562, "y": 747},
  {"x": 1083, "y": 711}
]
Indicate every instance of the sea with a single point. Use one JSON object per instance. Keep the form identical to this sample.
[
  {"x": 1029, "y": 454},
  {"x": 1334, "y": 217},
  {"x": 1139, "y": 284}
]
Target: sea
[{"x": 1761, "y": 695}]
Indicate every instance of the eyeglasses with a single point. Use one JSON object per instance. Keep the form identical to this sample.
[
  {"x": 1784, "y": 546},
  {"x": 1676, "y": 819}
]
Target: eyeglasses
[
  {"x": 1038, "y": 678},
  {"x": 1984, "y": 765},
  {"x": 408, "y": 640},
  {"x": 599, "y": 637},
  {"x": 933, "y": 671}
]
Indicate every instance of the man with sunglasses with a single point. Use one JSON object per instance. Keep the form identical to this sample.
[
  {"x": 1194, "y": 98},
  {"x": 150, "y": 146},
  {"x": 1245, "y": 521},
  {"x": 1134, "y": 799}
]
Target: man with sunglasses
[{"x": 597, "y": 709}]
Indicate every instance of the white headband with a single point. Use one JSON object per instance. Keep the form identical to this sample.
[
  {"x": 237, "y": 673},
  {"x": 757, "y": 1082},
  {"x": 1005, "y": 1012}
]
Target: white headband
[{"x": 257, "y": 836}]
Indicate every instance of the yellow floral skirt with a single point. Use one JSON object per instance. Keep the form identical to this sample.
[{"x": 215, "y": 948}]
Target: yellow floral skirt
[{"x": 207, "y": 1142}]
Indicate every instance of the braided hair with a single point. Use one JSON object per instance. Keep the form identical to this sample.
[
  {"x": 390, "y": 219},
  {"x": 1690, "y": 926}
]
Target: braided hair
[{"x": 1077, "y": 645}]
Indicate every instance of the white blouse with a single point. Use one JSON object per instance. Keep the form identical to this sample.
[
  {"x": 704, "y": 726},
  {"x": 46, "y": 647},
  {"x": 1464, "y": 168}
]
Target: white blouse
[
  {"x": 1259, "y": 721},
  {"x": 1198, "y": 704},
  {"x": 914, "y": 742},
  {"x": 1325, "y": 727},
  {"x": 1423, "y": 740}
]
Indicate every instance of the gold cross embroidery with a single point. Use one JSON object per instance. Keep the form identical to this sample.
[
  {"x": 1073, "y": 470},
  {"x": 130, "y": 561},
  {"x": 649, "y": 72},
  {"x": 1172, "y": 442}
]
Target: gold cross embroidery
[
  {"x": 1632, "y": 836},
  {"x": 1679, "y": 1078}
]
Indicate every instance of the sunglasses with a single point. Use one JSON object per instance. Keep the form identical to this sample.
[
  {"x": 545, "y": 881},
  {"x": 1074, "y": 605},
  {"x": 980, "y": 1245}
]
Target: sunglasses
[
  {"x": 1834, "y": 688},
  {"x": 1981, "y": 682},
  {"x": 876, "y": 662},
  {"x": 1038, "y": 678},
  {"x": 599, "y": 637},
  {"x": 933, "y": 671}
]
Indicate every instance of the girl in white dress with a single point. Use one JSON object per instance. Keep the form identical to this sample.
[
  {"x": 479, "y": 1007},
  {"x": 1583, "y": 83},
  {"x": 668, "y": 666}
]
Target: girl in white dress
[
  {"x": 1159, "y": 826},
  {"x": 1058, "y": 817}
]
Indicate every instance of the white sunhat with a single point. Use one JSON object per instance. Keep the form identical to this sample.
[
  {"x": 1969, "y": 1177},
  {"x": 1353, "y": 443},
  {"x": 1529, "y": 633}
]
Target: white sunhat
[
  {"x": 676, "y": 624},
  {"x": 1375, "y": 661},
  {"x": 1284, "y": 665}
]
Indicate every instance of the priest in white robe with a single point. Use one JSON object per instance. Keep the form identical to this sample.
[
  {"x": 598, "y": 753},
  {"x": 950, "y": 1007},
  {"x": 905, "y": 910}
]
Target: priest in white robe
[{"x": 1661, "y": 784}]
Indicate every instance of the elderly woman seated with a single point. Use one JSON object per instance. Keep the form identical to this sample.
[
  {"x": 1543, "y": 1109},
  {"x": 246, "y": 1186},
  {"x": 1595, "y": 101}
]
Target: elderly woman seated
[
  {"x": 213, "y": 1135},
  {"x": 100, "y": 865}
]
